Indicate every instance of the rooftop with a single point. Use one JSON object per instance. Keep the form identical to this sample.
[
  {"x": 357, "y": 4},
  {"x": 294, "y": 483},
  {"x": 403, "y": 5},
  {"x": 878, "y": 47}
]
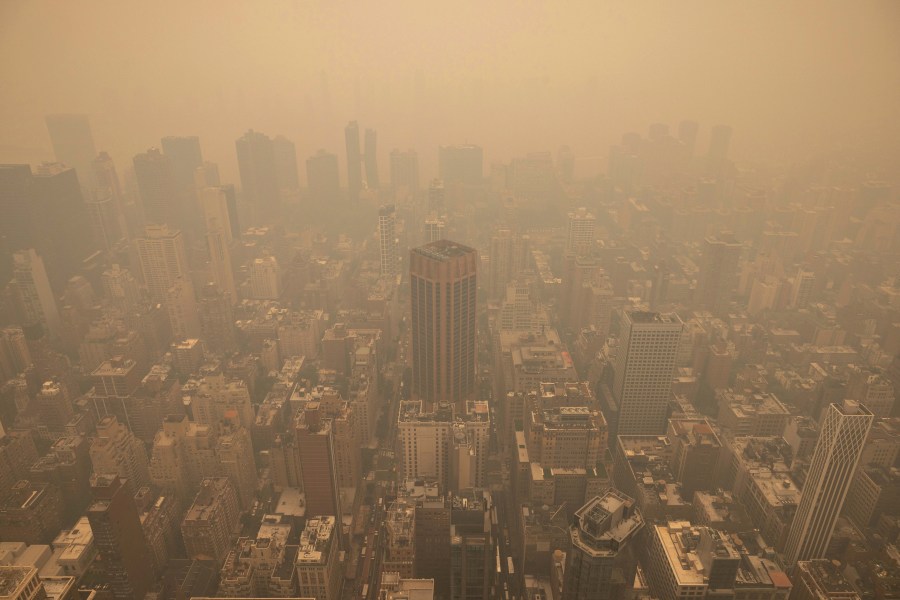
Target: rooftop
[
  {"x": 12, "y": 577},
  {"x": 443, "y": 250}
]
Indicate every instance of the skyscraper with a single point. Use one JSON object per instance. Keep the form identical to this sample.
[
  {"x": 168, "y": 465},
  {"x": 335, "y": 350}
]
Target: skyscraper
[
  {"x": 259, "y": 174},
  {"x": 73, "y": 145},
  {"x": 158, "y": 188},
  {"x": 185, "y": 157},
  {"x": 687, "y": 135},
  {"x": 371, "y": 158},
  {"x": 322, "y": 177},
  {"x": 163, "y": 259},
  {"x": 580, "y": 232},
  {"x": 16, "y": 204},
  {"x": 119, "y": 538},
  {"x": 106, "y": 184},
  {"x": 265, "y": 278},
  {"x": 33, "y": 294},
  {"x": 461, "y": 164},
  {"x": 286, "y": 165},
  {"x": 314, "y": 440},
  {"x": 645, "y": 363},
  {"x": 718, "y": 272},
  {"x": 387, "y": 239},
  {"x": 405, "y": 172},
  {"x": 442, "y": 297},
  {"x": 59, "y": 222},
  {"x": 354, "y": 160},
  {"x": 602, "y": 561},
  {"x": 843, "y": 432},
  {"x": 719, "y": 140},
  {"x": 214, "y": 203}
]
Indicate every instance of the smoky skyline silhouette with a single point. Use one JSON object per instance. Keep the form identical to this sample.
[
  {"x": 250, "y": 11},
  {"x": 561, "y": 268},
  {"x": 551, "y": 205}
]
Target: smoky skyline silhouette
[{"x": 795, "y": 81}]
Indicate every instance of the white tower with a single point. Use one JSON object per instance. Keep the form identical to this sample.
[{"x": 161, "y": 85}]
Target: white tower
[
  {"x": 841, "y": 439},
  {"x": 645, "y": 363}
]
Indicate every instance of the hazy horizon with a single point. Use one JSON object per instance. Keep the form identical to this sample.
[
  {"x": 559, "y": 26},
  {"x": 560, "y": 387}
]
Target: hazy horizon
[{"x": 794, "y": 80}]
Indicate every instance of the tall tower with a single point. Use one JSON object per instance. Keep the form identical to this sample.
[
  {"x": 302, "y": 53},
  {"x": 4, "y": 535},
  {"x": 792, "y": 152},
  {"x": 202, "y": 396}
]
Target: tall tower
[
  {"x": 163, "y": 259},
  {"x": 442, "y": 297},
  {"x": 185, "y": 157},
  {"x": 119, "y": 538},
  {"x": 580, "y": 232},
  {"x": 387, "y": 239},
  {"x": 354, "y": 160},
  {"x": 322, "y": 177},
  {"x": 16, "y": 184},
  {"x": 314, "y": 440},
  {"x": 159, "y": 191},
  {"x": 106, "y": 184},
  {"x": 214, "y": 202},
  {"x": 259, "y": 176},
  {"x": 33, "y": 293},
  {"x": 73, "y": 145},
  {"x": 60, "y": 221},
  {"x": 371, "y": 159},
  {"x": 841, "y": 439},
  {"x": 718, "y": 272},
  {"x": 461, "y": 164},
  {"x": 286, "y": 164},
  {"x": 602, "y": 561},
  {"x": 405, "y": 172},
  {"x": 645, "y": 363}
]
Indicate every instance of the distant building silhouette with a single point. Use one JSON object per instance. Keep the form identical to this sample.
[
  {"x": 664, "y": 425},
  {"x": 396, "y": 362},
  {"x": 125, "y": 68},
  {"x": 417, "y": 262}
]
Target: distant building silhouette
[
  {"x": 73, "y": 145},
  {"x": 354, "y": 160}
]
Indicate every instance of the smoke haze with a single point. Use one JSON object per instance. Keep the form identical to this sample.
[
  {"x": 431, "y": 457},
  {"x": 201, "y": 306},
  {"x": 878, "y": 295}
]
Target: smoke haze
[{"x": 794, "y": 79}]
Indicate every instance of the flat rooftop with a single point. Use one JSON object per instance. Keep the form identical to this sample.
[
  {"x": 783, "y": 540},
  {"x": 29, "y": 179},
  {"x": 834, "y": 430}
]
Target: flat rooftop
[{"x": 442, "y": 250}]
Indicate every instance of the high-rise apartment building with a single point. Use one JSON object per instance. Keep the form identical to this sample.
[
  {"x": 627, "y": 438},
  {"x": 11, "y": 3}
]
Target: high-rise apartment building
[
  {"x": 354, "y": 160},
  {"x": 214, "y": 307},
  {"x": 163, "y": 259},
  {"x": 73, "y": 144},
  {"x": 424, "y": 438},
  {"x": 119, "y": 538},
  {"x": 208, "y": 523},
  {"x": 436, "y": 197},
  {"x": 318, "y": 568},
  {"x": 508, "y": 258},
  {"x": 645, "y": 363},
  {"x": 435, "y": 229},
  {"x": 580, "y": 232},
  {"x": 842, "y": 435},
  {"x": 442, "y": 297},
  {"x": 265, "y": 278},
  {"x": 181, "y": 306},
  {"x": 387, "y": 240},
  {"x": 691, "y": 562},
  {"x": 116, "y": 451},
  {"x": 603, "y": 558},
  {"x": 718, "y": 272}
]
